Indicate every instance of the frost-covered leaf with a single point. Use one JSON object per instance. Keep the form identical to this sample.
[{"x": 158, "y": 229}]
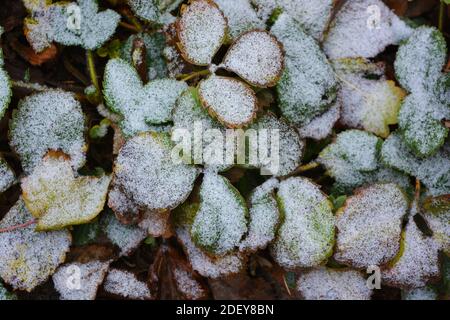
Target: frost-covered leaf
[
  {"x": 240, "y": 15},
  {"x": 5, "y": 294},
  {"x": 220, "y": 221},
  {"x": 50, "y": 120},
  {"x": 154, "y": 44},
  {"x": 7, "y": 176},
  {"x": 57, "y": 198},
  {"x": 322, "y": 126},
  {"x": 29, "y": 257},
  {"x": 369, "y": 226},
  {"x": 433, "y": 172},
  {"x": 5, "y": 86},
  {"x": 417, "y": 262},
  {"x": 155, "y": 11},
  {"x": 436, "y": 212},
  {"x": 126, "y": 237},
  {"x": 308, "y": 85},
  {"x": 125, "y": 284},
  {"x": 306, "y": 235},
  {"x": 188, "y": 285},
  {"x": 264, "y": 217},
  {"x": 139, "y": 106},
  {"x": 91, "y": 275},
  {"x": 257, "y": 57},
  {"x": 206, "y": 266},
  {"x": 418, "y": 67},
  {"x": 156, "y": 224},
  {"x": 313, "y": 15},
  {"x": 367, "y": 103},
  {"x": 363, "y": 28},
  {"x": 231, "y": 101},
  {"x": 146, "y": 177},
  {"x": 352, "y": 160},
  {"x": 70, "y": 24},
  {"x": 285, "y": 158},
  {"x": 333, "y": 284},
  {"x": 201, "y": 30},
  {"x": 424, "y": 293}
]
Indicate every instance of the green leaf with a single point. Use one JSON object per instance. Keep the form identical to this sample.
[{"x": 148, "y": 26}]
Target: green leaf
[
  {"x": 306, "y": 235},
  {"x": 86, "y": 233},
  {"x": 437, "y": 215},
  {"x": 139, "y": 106},
  {"x": 58, "y": 199},
  {"x": 5, "y": 294},
  {"x": 221, "y": 220}
]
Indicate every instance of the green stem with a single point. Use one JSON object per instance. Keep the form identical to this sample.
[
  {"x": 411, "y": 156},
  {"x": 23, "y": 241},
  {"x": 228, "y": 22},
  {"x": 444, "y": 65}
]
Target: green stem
[
  {"x": 307, "y": 167},
  {"x": 186, "y": 77},
  {"x": 92, "y": 71},
  {"x": 442, "y": 16}
]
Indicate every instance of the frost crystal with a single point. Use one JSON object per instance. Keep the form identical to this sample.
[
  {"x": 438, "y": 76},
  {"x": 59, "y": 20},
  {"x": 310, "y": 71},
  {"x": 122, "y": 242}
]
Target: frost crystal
[
  {"x": 329, "y": 284},
  {"x": 126, "y": 285},
  {"x": 308, "y": 86},
  {"x": 59, "y": 199},
  {"x": 369, "y": 226},
  {"x": 50, "y": 120},
  {"x": 306, "y": 235},
  {"x": 91, "y": 275},
  {"x": 29, "y": 257},
  {"x": 363, "y": 28},
  {"x": 139, "y": 105}
]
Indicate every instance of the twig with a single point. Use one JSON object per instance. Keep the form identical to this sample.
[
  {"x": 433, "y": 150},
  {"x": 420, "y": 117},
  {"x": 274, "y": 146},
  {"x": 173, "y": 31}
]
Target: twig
[
  {"x": 186, "y": 77},
  {"x": 19, "y": 226},
  {"x": 92, "y": 71},
  {"x": 128, "y": 26}
]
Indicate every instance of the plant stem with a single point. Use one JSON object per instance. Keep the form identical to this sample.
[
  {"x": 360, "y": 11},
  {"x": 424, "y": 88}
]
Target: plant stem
[
  {"x": 128, "y": 26},
  {"x": 186, "y": 77},
  {"x": 307, "y": 167},
  {"x": 442, "y": 15},
  {"x": 19, "y": 226},
  {"x": 92, "y": 71}
]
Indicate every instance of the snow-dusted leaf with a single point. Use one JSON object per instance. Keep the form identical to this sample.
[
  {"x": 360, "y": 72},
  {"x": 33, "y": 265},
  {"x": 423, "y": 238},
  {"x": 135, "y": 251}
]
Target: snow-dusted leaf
[
  {"x": 57, "y": 198},
  {"x": 5, "y": 86},
  {"x": 156, "y": 224},
  {"x": 139, "y": 106},
  {"x": 285, "y": 153},
  {"x": 220, "y": 221},
  {"x": 155, "y": 11},
  {"x": 433, "y": 172},
  {"x": 436, "y": 212},
  {"x": 188, "y": 286},
  {"x": 29, "y": 257},
  {"x": 308, "y": 86},
  {"x": 263, "y": 217},
  {"x": 154, "y": 44},
  {"x": 420, "y": 60},
  {"x": 417, "y": 262},
  {"x": 146, "y": 176},
  {"x": 322, "y": 126},
  {"x": 369, "y": 226},
  {"x": 363, "y": 28},
  {"x": 50, "y": 120},
  {"x": 91, "y": 275},
  {"x": 421, "y": 294},
  {"x": 206, "y": 266},
  {"x": 352, "y": 160},
  {"x": 367, "y": 103},
  {"x": 125, "y": 284},
  {"x": 306, "y": 235},
  {"x": 231, "y": 101},
  {"x": 5, "y": 294},
  {"x": 313, "y": 15},
  {"x": 7, "y": 176},
  {"x": 240, "y": 15},
  {"x": 418, "y": 67},
  {"x": 70, "y": 23},
  {"x": 201, "y": 30},
  {"x": 257, "y": 57},
  {"x": 333, "y": 284},
  {"x": 126, "y": 237}
]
